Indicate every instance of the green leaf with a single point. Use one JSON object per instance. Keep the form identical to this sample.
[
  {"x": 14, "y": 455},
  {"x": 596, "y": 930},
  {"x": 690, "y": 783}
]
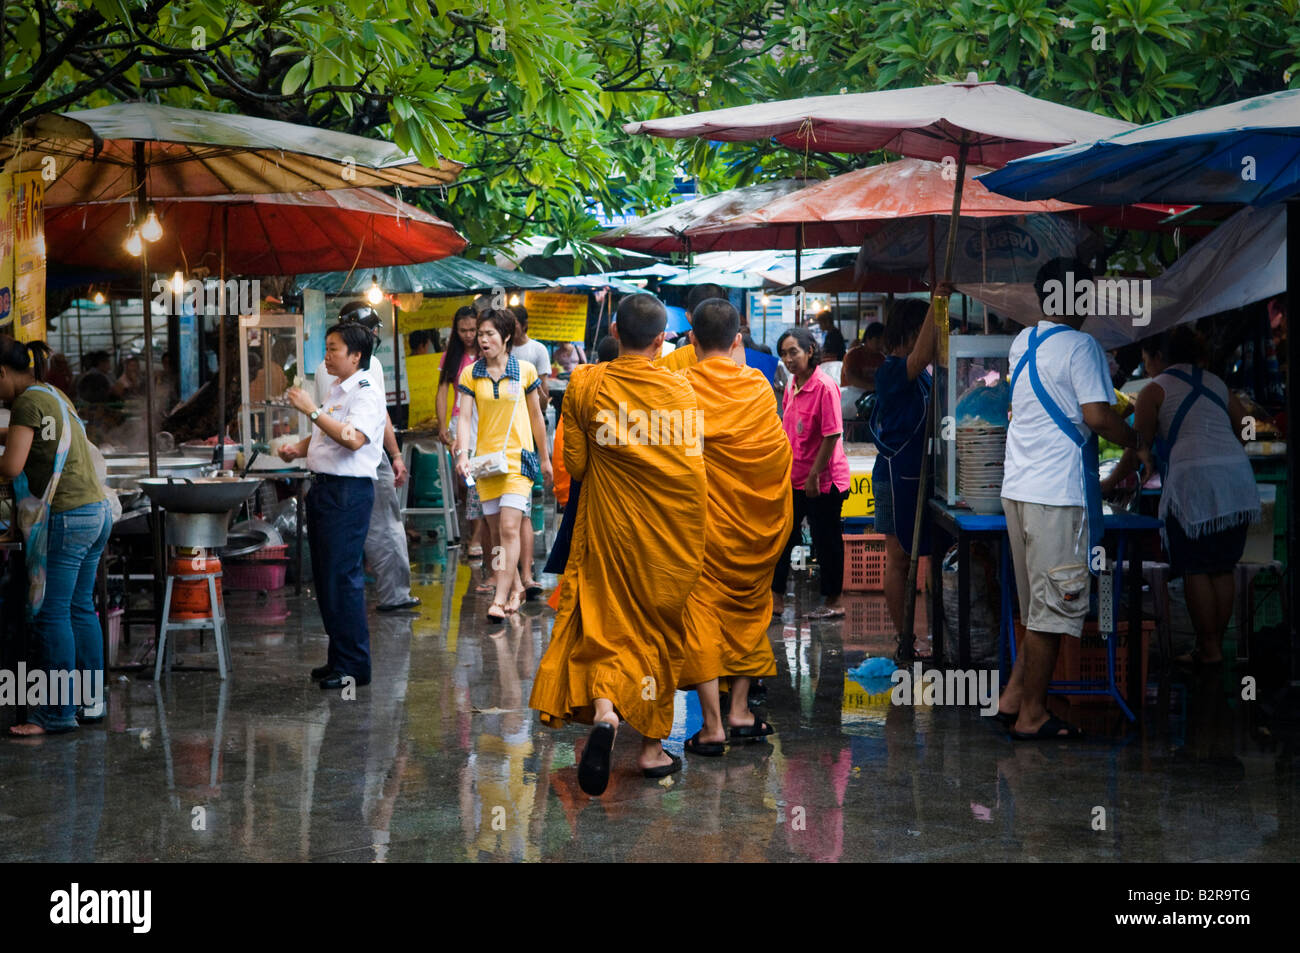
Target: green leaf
[{"x": 295, "y": 77}]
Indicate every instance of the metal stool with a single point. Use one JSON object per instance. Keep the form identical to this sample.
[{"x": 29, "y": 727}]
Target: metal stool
[
  {"x": 450, "y": 522},
  {"x": 216, "y": 621}
]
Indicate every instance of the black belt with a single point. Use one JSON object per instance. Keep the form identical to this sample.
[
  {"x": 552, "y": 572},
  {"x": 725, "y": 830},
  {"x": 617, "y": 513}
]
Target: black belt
[{"x": 328, "y": 477}]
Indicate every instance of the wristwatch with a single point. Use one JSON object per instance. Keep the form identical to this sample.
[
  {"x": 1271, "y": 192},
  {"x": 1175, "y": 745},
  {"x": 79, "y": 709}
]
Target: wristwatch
[{"x": 314, "y": 414}]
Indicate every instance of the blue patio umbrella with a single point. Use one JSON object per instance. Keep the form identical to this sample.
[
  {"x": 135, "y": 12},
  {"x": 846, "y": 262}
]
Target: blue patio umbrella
[{"x": 1247, "y": 151}]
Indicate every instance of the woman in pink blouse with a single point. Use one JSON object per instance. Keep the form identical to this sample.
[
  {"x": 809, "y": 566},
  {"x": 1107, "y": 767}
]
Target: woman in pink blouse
[{"x": 819, "y": 475}]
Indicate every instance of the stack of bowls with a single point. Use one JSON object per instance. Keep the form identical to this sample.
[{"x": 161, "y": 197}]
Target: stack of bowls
[{"x": 981, "y": 454}]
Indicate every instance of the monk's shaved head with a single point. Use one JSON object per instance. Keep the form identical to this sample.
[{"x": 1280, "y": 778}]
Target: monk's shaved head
[
  {"x": 715, "y": 323},
  {"x": 640, "y": 319}
]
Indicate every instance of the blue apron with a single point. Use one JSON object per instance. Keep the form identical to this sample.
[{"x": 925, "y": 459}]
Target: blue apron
[
  {"x": 1088, "y": 447},
  {"x": 1164, "y": 447},
  {"x": 903, "y": 466}
]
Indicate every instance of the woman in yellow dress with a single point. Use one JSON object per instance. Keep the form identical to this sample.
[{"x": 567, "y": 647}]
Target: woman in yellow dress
[{"x": 504, "y": 391}]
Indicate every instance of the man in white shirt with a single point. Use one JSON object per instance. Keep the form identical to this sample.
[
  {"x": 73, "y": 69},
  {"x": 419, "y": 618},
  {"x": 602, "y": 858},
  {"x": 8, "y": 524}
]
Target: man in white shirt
[
  {"x": 1060, "y": 401},
  {"x": 343, "y": 454},
  {"x": 386, "y": 547}
]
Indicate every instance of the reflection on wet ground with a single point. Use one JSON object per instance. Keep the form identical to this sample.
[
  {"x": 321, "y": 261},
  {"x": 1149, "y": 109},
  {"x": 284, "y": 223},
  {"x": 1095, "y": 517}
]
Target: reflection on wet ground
[{"x": 439, "y": 759}]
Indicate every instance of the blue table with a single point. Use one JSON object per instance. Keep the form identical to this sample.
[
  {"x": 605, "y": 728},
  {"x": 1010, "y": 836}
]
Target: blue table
[{"x": 961, "y": 526}]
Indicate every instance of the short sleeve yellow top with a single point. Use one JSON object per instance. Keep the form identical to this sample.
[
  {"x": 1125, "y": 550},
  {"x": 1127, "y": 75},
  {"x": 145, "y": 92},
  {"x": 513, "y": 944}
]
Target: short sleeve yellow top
[{"x": 504, "y": 423}]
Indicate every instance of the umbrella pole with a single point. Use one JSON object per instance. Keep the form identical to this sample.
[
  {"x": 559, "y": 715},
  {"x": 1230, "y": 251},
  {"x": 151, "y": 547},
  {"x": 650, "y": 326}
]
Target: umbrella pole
[
  {"x": 907, "y": 636},
  {"x": 218, "y": 454},
  {"x": 798, "y": 272},
  {"x": 1293, "y": 457},
  {"x": 397, "y": 367},
  {"x": 155, "y": 514}
]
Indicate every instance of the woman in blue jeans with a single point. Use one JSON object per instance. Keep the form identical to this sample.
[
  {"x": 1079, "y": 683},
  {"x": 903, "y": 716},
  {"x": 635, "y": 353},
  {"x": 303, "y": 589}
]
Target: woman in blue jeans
[{"x": 46, "y": 446}]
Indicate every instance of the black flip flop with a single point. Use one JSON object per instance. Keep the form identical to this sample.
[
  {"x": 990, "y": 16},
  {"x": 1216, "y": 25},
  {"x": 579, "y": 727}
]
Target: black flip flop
[
  {"x": 1007, "y": 718},
  {"x": 533, "y": 593},
  {"x": 1050, "y": 730},
  {"x": 593, "y": 769},
  {"x": 708, "y": 749},
  {"x": 751, "y": 733},
  {"x": 664, "y": 770}
]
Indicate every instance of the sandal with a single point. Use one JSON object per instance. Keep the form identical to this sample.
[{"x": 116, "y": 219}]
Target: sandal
[
  {"x": 709, "y": 749},
  {"x": 532, "y": 591},
  {"x": 1007, "y": 718},
  {"x": 593, "y": 769},
  {"x": 516, "y": 598},
  {"x": 663, "y": 770},
  {"x": 751, "y": 733},
  {"x": 474, "y": 552},
  {"x": 1050, "y": 730},
  {"x": 496, "y": 618}
]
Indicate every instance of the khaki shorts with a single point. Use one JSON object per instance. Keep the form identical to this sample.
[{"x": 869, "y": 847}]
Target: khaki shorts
[{"x": 1049, "y": 548}]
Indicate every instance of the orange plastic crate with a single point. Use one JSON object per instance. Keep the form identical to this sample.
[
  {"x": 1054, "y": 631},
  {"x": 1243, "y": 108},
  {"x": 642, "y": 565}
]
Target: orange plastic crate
[
  {"x": 864, "y": 562},
  {"x": 1084, "y": 659}
]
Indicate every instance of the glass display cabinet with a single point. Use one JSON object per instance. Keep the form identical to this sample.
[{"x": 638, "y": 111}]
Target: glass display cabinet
[
  {"x": 270, "y": 362},
  {"x": 974, "y": 361}
]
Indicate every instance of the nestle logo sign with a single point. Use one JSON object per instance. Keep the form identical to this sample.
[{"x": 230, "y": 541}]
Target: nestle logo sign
[{"x": 1006, "y": 241}]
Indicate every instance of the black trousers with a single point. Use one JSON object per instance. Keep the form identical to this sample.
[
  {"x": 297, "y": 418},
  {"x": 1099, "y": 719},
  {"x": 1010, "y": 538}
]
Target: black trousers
[
  {"x": 338, "y": 517},
  {"x": 823, "y": 515}
]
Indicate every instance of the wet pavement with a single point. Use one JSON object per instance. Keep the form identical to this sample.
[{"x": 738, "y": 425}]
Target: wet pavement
[{"x": 439, "y": 759}]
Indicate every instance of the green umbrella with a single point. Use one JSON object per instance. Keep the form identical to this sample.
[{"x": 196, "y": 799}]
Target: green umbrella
[{"x": 446, "y": 276}]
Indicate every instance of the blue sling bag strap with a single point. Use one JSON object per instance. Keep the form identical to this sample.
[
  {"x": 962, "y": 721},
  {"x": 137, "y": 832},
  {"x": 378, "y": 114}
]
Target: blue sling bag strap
[
  {"x": 33, "y": 512},
  {"x": 1088, "y": 447}
]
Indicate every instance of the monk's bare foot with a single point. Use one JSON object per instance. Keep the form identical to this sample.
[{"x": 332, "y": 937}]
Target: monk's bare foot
[
  {"x": 711, "y": 735},
  {"x": 653, "y": 757},
  {"x": 741, "y": 719}
]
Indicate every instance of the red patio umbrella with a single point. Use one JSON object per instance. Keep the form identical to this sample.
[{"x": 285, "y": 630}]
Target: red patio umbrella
[{"x": 262, "y": 234}]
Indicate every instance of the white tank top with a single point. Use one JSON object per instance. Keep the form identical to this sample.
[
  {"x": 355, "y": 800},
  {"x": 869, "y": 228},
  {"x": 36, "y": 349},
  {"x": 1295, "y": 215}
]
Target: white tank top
[{"x": 1210, "y": 485}]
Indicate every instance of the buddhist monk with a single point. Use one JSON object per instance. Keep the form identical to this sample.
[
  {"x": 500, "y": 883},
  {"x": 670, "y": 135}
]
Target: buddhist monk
[
  {"x": 631, "y": 438},
  {"x": 684, "y": 355},
  {"x": 747, "y": 461}
]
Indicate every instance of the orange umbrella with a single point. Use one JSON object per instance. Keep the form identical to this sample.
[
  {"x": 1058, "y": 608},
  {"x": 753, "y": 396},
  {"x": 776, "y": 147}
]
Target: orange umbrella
[{"x": 843, "y": 210}]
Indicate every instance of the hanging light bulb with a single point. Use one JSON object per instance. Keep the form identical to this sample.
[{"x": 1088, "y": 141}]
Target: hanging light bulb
[
  {"x": 133, "y": 243},
  {"x": 514, "y": 301},
  {"x": 766, "y": 301},
  {"x": 375, "y": 294},
  {"x": 151, "y": 230},
  {"x": 178, "y": 283},
  {"x": 99, "y": 297}
]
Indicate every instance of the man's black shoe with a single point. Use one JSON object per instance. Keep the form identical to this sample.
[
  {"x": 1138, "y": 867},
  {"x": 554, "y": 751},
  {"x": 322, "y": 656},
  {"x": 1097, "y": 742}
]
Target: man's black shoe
[
  {"x": 321, "y": 671},
  {"x": 337, "y": 680},
  {"x": 398, "y": 606}
]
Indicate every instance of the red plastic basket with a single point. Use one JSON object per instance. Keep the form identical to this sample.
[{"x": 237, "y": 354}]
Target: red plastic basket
[
  {"x": 864, "y": 562},
  {"x": 267, "y": 553},
  {"x": 256, "y": 575},
  {"x": 1084, "y": 658}
]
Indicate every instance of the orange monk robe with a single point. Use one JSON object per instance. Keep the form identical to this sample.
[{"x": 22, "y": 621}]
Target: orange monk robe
[
  {"x": 560, "y": 481},
  {"x": 747, "y": 458},
  {"x": 637, "y": 550},
  {"x": 679, "y": 359}
]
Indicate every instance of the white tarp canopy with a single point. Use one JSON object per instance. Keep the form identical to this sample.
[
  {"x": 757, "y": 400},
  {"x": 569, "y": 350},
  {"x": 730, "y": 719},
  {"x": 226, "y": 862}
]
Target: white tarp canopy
[{"x": 1240, "y": 262}]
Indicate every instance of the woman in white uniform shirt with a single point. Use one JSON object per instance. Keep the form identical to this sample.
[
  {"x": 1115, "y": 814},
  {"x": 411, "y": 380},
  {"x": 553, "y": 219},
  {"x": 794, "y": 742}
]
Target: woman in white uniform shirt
[{"x": 343, "y": 453}]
